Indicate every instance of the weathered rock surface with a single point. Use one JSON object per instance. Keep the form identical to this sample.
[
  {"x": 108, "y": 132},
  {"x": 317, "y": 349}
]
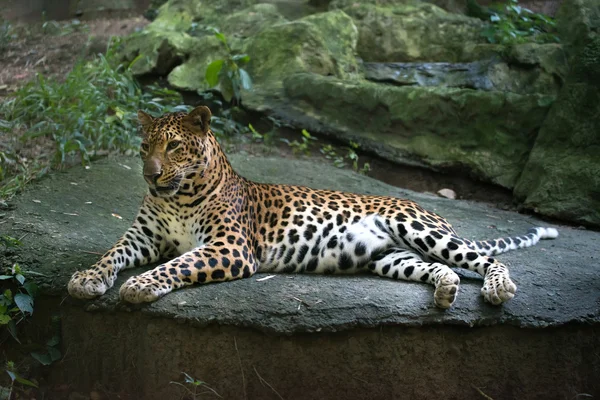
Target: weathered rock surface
[
  {"x": 412, "y": 32},
  {"x": 309, "y": 329},
  {"x": 488, "y": 134},
  {"x": 525, "y": 68},
  {"x": 557, "y": 279},
  {"x": 441, "y": 120},
  {"x": 562, "y": 175}
]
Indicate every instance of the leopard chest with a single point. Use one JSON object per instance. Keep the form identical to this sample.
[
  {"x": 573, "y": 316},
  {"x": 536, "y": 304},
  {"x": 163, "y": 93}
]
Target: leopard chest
[{"x": 181, "y": 234}]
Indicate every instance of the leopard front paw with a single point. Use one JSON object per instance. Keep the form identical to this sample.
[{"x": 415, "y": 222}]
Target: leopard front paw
[
  {"x": 446, "y": 289},
  {"x": 143, "y": 288},
  {"x": 497, "y": 287},
  {"x": 88, "y": 284}
]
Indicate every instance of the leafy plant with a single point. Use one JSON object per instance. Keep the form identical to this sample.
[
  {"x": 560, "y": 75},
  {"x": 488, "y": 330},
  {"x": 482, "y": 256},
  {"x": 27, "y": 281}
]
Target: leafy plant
[
  {"x": 255, "y": 134},
  {"x": 511, "y": 23},
  {"x": 5, "y": 33},
  {"x": 16, "y": 378},
  {"x": 228, "y": 73},
  {"x": 15, "y": 173},
  {"x": 268, "y": 137},
  {"x": 50, "y": 352},
  {"x": 304, "y": 145},
  {"x": 340, "y": 160},
  {"x": 353, "y": 157},
  {"x": 9, "y": 241},
  {"x": 92, "y": 111},
  {"x": 16, "y": 304},
  {"x": 331, "y": 154},
  {"x": 192, "y": 386}
]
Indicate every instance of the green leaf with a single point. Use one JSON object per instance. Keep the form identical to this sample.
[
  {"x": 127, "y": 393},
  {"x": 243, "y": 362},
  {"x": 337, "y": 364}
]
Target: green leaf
[
  {"x": 4, "y": 277},
  {"x": 5, "y": 319},
  {"x": 54, "y": 353},
  {"x": 31, "y": 288},
  {"x": 24, "y": 302},
  {"x": 20, "y": 278},
  {"x": 221, "y": 37},
  {"x": 43, "y": 358},
  {"x": 12, "y": 329},
  {"x": 245, "y": 78},
  {"x": 212, "y": 72},
  {"x": 53, "y": 341},
  {"x": 241, "y": 58},
  {"x": 12, "y": 375},
  {"x": 26, "y": 382}
]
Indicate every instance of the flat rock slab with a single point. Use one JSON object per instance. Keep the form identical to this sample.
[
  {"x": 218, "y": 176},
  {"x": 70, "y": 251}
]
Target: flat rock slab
[{"x": 69, "y": 219}]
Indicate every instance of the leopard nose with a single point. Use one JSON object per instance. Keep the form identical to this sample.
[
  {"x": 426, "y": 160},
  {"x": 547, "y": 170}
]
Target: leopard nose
[{"x": 152, "y": 177}]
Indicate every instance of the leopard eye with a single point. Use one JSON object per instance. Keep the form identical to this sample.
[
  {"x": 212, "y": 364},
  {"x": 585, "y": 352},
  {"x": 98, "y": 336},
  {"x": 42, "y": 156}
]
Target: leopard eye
[
  {"x": 173, "y": 145},
  {"x": 145, "y": 147}
]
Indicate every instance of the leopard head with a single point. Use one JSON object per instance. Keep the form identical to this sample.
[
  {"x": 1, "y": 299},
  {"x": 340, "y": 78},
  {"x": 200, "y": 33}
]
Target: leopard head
[{"x": 174, "y": 148}]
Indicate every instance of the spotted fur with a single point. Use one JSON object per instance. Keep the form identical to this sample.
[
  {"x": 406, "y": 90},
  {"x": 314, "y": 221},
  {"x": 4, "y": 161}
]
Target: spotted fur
[{"x": 214, "y": 225}]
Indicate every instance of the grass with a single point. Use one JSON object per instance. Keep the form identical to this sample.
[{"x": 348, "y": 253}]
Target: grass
[{"x": 92, "y": 112}]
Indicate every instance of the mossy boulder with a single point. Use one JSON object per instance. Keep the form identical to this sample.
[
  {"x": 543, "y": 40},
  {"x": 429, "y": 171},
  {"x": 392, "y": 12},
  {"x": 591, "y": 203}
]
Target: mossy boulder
[
  {"x": 454, "y": 6},
  {"x": 250, "y": 21},
  {"x": 190, "y": 75},
  {"x": 578, "y": 21},
  {"x": 179, "y": 15},
  {"x": 341, "y": 37},
  {"x": 288, "y": 48},
  {"x": 551, "y": 58},
  {"x": 175, "y": 15},
  {"x": 156, "y": 52},
  {"x": 523, "y": 69},
  {"x": 179, "y": 43},
  {"x": 562, "y": 176},
  {"x": 237, "y": 27},
  {"x": 323, "y": 44},
  {"x": 412, "y": 32},
  {"x": 487, "y": 134}
]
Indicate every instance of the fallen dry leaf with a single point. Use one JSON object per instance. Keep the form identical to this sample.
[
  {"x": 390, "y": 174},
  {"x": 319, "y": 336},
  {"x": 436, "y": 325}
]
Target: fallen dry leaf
[{"x": 116, "y": 216}]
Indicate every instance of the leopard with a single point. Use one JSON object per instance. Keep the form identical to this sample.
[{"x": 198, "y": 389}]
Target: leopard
[{"x": 203, "y": 222}]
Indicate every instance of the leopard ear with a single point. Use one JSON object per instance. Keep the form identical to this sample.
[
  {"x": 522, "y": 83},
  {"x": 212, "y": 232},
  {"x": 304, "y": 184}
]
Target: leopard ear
[
  {"x": 198, "y": 120},
  {"x": 146, "y": 120}
]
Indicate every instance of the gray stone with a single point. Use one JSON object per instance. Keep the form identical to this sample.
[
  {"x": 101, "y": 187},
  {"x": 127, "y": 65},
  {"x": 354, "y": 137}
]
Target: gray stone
[
  {"x": 412, "y": 32},
  {"x": 489, "y": 75},
  {"x": 561, "y": 177},
  {"x": 249, "y": 338},
  {"x": 58, "y": 243},
  {"x": 489, "y": 134}
]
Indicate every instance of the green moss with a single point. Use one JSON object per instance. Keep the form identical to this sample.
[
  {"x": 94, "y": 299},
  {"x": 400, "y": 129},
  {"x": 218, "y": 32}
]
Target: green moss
[
  {"x": 288, "y": 48},
  {"x": 562, "y": 175},
  {"x": 175, "y": 15},
  {"x": 156, "y": 51},
  {"x": 340, "y": 36},
  {"x": 251, "y": 20},
  {"x": 412, "y": 32},
  {"x": 191, "y": 74},
  {"x": 487, "y": 133},
  {"x": 179, "y": 15}
]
